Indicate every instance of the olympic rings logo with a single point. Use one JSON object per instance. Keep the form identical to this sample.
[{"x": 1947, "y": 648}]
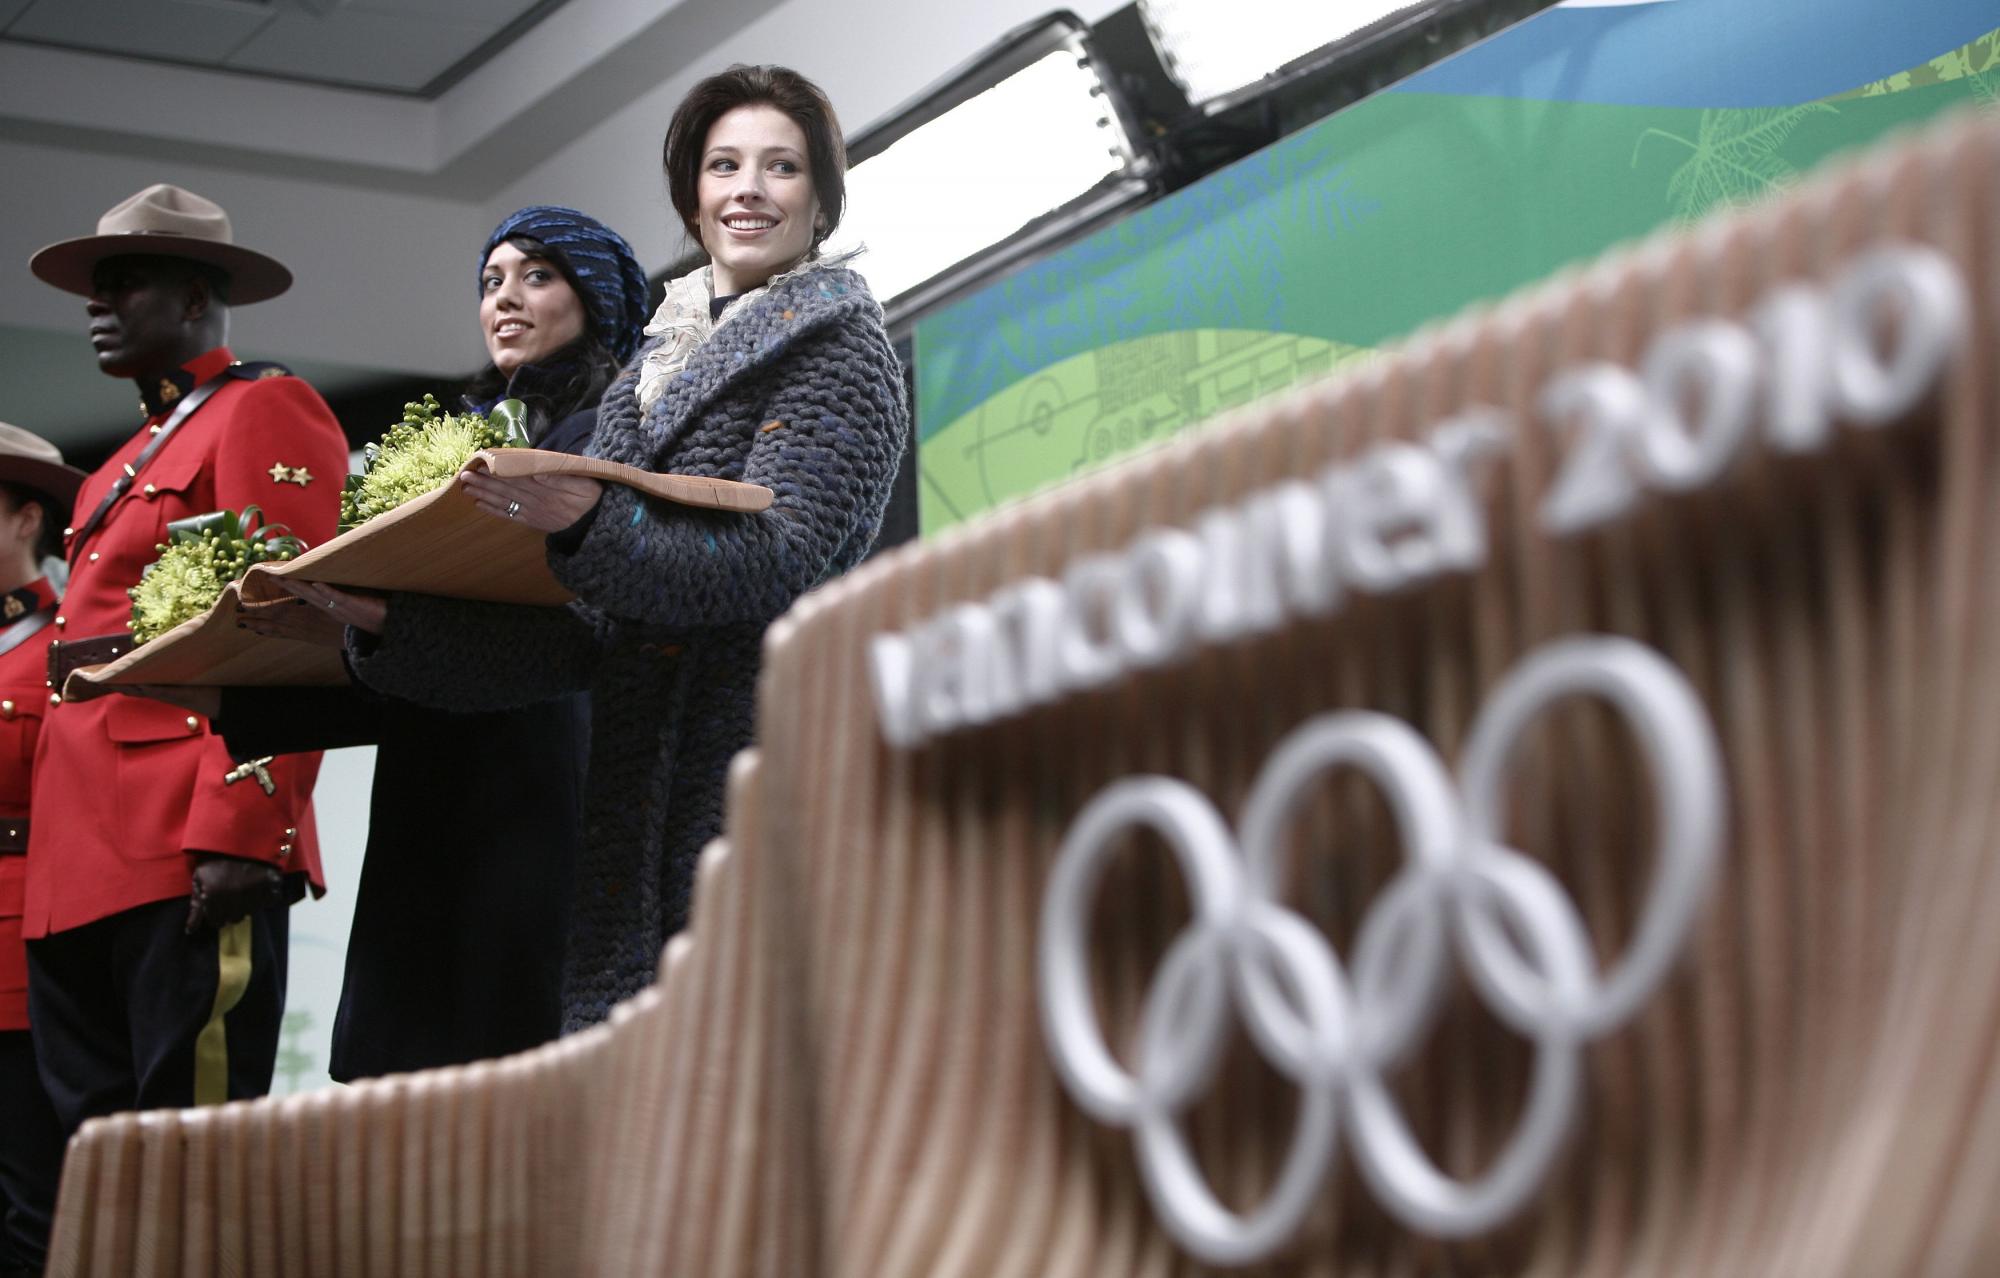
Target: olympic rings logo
[{"x": 1334, "y": 1031}]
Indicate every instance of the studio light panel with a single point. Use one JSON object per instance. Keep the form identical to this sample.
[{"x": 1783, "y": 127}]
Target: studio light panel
[
  {"x": 1213, "y": 48},
  {"x": 980, "y": 172}
]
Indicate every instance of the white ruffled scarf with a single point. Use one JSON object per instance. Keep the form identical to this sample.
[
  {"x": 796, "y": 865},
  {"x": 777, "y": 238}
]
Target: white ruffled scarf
[{"x": 683, "y": 320}]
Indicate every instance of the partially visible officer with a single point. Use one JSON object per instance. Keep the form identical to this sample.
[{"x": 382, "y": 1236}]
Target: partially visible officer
[
  {"x": 36, "y": 490},
  {"x": 160, "y": 870}
]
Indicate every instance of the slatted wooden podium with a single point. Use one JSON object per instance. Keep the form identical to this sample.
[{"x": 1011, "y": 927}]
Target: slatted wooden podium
[{"x": 848, "y": 1066}]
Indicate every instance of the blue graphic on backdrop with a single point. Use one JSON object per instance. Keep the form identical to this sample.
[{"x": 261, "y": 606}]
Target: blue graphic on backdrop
[{"x": 1707, "y": 53}]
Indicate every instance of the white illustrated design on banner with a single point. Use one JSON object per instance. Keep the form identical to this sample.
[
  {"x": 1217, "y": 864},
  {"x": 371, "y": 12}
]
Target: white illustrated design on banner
[{"x": 1335, "y": 1030}]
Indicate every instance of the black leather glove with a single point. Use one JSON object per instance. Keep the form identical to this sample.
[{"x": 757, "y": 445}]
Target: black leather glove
[{"x": 228, "y": 888}]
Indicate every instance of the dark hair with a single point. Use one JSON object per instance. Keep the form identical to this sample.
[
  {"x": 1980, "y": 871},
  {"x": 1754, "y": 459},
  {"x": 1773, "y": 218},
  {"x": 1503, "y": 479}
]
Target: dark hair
[
  {"x": 577, "y": 374},
  {"x": 780, "y": 87},
  {"x": 49, "y": 541}
]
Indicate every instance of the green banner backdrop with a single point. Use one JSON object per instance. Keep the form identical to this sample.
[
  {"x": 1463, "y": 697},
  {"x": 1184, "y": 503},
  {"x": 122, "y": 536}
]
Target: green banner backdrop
[{"x": 1592, "y": 123}]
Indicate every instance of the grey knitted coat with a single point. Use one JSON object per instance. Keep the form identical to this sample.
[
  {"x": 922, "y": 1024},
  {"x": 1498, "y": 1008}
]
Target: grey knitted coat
[{"x": 802, "y": 393}]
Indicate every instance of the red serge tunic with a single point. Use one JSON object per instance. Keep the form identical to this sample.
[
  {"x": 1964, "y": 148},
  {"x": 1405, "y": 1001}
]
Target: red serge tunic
[
  {"x": 23, "y": 667},
  {"x": 126, "y": 789}
]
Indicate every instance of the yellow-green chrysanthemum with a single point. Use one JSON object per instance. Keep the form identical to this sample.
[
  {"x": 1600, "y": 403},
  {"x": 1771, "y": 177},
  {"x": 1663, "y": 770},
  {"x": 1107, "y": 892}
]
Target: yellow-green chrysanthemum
[
  {"x": 421, "y": 453},
  {"x": 201, "y": 556},
  {"x": 182, "y": 583}
]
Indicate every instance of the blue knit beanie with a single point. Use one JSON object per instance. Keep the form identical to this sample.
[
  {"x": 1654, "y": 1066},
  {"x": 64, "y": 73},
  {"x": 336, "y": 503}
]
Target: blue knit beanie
[{"x": 614, "y": 286}]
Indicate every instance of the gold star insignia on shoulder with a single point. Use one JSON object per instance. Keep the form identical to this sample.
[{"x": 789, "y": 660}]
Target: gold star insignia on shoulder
[
  {"x": 283, "y": 474},
  {"x": 270, "y": 372},
  {"x": 13, "y": 607},
  {"x": 168, "y": 391},
  {"x": 280, "y": 473}
]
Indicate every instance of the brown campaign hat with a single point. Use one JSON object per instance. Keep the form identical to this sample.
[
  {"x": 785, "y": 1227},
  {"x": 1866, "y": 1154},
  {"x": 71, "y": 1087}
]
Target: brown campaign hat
[
  {"x": 28, "y": 459},
  {"x": 165, "y": 221}
]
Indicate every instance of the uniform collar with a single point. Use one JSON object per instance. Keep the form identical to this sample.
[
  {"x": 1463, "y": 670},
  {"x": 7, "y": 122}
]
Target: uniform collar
[
  {"x": 159, "y": 395},
  {"x": 37, "y": 596}
]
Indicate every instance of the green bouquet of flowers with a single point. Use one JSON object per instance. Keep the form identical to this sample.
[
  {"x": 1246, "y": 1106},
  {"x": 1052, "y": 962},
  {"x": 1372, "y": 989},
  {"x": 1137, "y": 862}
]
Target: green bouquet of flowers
[
  {"x": 423, "y": 452},
  {"x": 202, "y": 555}
]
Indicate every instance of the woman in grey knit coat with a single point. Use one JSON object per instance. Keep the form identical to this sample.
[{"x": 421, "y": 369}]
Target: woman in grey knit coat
[{"x": 770, "y": 366}]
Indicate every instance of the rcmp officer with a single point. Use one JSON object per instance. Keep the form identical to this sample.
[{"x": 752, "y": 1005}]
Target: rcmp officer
[
  {"x": 160, "y": 871},
  {"x": 36, "y": 490}
]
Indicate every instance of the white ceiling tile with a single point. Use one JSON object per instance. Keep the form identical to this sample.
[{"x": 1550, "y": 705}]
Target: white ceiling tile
[
  {"x": 353, "y": 47},
  {"x": 178, "y": 30},
  {"x": 493, "y": 13}
]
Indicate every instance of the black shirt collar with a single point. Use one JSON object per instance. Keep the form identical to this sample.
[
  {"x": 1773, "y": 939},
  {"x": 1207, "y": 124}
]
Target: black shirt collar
[{"x": 159, "y": 395}]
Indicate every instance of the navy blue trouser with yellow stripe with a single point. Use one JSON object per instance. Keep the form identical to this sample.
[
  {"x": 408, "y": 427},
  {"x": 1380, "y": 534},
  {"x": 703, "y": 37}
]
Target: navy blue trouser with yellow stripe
[{"x": 130, "y": 1012}]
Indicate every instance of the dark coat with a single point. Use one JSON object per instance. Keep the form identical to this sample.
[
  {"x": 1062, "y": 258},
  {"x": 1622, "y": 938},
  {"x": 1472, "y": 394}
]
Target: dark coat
[
  {"x": 473, "y": 823},
  {"x": 799, "y": 390},
  {"x": 473, "y": 826}
]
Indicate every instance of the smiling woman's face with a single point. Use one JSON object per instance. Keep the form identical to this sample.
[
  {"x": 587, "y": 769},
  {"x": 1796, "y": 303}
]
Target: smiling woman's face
[
  {"x": 527, "y": 310},
  {"x": 758, "y": 207}
]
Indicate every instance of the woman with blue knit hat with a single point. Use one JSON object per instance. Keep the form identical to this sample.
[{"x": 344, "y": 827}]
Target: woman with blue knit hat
[
  {"x": 561, "y": 303},
  {"x": 474, "y": 820}
]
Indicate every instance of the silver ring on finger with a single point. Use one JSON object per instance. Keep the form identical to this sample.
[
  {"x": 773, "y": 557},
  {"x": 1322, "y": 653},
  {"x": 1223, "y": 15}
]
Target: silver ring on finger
[{"x": 513, "y": 509}]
